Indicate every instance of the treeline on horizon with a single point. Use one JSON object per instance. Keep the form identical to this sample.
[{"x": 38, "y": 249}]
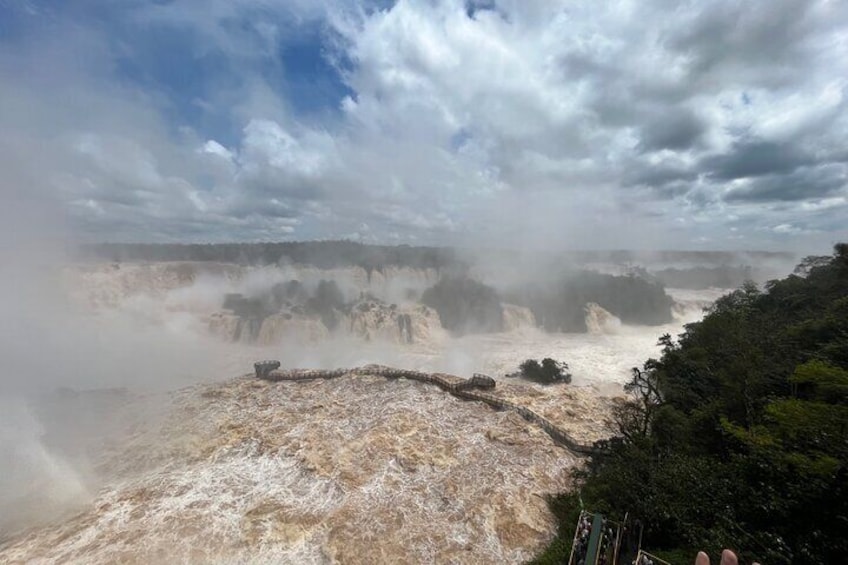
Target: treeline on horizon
[
  {"x": 321, "y": 254},
  {"x": 737, "y": 436},
  {"x": 342, "y": 253}
]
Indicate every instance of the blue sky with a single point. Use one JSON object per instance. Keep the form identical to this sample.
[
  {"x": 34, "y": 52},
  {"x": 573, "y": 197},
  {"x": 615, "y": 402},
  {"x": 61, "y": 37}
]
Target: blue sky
[{"x": 715, "y": 125}]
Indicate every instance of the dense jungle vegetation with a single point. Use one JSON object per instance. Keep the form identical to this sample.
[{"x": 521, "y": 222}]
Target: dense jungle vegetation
[
  {"x": 738, "y": 435},
  {"x": 560, "y": 305},
  {"x": 465, "y": 305}
]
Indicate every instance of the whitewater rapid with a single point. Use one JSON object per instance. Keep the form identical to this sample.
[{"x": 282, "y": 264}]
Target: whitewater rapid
[{"x": 205, "y": 467}]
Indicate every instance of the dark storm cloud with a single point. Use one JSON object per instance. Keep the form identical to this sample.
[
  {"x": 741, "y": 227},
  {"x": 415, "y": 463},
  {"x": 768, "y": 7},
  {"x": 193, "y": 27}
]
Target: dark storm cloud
[
  {"x": 803, "y": 184},
  {"x": 266, "y": 185},
  {"x": 661, "y": 176},
  {"x": 677, "y": 130},
  {"x": 754, "y": 42},
  {"x": 754, "y": 159}
]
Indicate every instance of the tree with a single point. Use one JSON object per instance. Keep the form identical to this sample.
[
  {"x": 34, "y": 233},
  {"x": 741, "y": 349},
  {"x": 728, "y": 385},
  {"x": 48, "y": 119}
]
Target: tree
[
  {"x": 738, "y": 434},
  {"x": 547, "y": 372},
  {"x": 465, "y": 305}
]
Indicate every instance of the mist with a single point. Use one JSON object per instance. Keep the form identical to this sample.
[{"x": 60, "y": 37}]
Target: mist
[
  {"x": 96, "y": 337},
  {"x": 99, "y": 341},
  {"x": 448, "y": 186}
]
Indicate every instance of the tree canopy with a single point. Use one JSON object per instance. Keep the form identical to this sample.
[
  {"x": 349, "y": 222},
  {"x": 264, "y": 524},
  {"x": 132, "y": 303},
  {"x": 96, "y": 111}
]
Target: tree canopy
[
  {"x": 465, "y": 305},
  {"x": 738, "y": 435}
]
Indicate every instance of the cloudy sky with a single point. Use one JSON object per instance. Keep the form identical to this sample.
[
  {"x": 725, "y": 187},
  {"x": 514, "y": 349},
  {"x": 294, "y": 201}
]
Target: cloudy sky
[{"x": 582, "y": 124}]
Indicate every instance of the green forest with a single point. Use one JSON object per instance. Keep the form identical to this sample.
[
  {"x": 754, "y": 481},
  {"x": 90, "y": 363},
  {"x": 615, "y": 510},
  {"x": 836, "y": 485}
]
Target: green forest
[{"x": 737, "y": 436}]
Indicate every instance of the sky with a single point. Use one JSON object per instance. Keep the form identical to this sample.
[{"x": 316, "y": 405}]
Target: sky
[{"x": 646, "y": 124}]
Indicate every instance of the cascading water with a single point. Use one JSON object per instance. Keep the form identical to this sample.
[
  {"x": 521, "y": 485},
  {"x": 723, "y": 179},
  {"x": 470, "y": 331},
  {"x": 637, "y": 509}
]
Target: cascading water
[{"x": 357, "y": 470}]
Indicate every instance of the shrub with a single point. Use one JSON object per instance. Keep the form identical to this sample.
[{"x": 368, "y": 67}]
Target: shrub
[{"x": 547, "y": 372}]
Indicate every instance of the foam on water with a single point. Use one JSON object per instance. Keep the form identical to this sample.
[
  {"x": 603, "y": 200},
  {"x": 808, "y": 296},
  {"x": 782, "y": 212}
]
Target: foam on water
[
  {"x": 361, "y": 470},
  {"x": 357, "y": 470}
]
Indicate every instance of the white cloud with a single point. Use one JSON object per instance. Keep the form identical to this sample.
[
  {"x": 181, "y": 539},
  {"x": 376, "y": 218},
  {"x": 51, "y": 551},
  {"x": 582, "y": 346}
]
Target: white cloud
[
  {"x": 214, "y": 148},
  {"x": 824, "y": 204},
  {"x": 266, "y": 143},
  {"x": 579, "y": 123}
]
